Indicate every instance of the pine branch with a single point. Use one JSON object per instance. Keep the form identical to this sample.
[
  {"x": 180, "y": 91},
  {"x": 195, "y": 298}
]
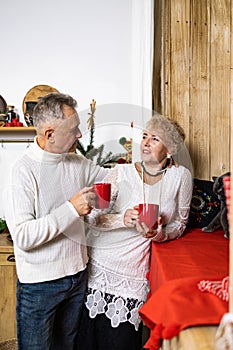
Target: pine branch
[
  {"x": 92, "y": 131},
  {"x": 81, "y": 148},
  {"x": 111, "y": 158},
  {"x": 92, "y": 153},
  {"x": 101, "y": 148}
]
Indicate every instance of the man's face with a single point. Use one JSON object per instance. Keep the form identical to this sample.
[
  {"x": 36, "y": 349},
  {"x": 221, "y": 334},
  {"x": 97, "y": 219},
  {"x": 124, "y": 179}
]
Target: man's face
[{"x": 65, "y": 135}]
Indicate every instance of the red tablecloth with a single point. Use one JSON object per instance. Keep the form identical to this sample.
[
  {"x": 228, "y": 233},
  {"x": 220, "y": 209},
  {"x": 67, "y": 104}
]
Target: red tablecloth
[{"x": 175, "y": 302}]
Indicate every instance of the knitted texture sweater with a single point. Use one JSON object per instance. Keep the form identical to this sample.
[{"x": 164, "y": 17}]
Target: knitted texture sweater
[{"x": 48, "y": 233}]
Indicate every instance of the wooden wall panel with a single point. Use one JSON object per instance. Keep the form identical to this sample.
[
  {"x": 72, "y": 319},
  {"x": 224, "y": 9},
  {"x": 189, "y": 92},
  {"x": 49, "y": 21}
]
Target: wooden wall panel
[
  {"x": 199, "y": 131},
  {"x": 179, "y": 65},
  {"x": 166, "y": 87},
  {"x": 231, "y": 95},
  {"x": 231, "y": 163},
  {"x": 220, "y": 86},
  {"x": 196, "y": 77},
  {"x": 157, "y": 66}
]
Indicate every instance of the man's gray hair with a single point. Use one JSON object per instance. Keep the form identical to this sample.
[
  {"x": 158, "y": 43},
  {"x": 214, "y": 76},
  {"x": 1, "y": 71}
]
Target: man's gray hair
[{"x": 50, "y": 108}]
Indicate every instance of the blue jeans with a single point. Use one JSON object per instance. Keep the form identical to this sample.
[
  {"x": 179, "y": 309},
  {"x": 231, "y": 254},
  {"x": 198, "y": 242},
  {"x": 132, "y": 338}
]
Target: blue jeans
[{"x": 48, "y": 313}]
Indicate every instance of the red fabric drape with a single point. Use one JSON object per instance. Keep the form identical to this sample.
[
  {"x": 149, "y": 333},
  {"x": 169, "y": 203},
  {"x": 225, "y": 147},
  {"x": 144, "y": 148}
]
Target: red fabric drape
[{"x": 177, "y": 267}]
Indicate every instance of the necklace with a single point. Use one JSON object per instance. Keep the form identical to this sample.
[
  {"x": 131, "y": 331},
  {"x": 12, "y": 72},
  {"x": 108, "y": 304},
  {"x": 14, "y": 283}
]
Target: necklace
[
  {"x": 146, "y": 190},
  {"x": 156, "y": 174}
]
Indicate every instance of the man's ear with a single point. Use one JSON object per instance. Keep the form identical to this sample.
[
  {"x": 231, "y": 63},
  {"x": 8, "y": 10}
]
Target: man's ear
[{"x": 49, "y": 134}]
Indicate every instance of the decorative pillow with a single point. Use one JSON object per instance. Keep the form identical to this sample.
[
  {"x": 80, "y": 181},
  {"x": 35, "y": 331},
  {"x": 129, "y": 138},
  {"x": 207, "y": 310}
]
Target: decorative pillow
[{"x": 204, "y": 204}]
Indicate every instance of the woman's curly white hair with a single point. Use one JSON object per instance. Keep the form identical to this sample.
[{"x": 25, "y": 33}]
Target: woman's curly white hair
[{"x": 169, "y": 131}]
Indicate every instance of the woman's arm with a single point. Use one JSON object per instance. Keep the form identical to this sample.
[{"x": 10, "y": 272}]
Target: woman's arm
[{"x": 175, "y": 228}]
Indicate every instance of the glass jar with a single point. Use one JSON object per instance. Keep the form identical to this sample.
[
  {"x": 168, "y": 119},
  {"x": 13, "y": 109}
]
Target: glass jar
[{"x": 11, "y": 113}]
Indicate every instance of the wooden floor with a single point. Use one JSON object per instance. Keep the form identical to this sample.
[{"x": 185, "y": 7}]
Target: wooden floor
[{"x": 9, "y": 345}]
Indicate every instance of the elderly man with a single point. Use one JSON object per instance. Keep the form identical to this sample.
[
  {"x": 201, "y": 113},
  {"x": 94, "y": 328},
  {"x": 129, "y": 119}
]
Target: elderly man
[{"x": 49, "y": 193}]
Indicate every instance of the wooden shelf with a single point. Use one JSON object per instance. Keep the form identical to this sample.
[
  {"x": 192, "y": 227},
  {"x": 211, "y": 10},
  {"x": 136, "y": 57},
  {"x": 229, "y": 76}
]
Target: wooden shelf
[
  {"x": 16, "y": 134},
  {"x": 17, "y": 128}
]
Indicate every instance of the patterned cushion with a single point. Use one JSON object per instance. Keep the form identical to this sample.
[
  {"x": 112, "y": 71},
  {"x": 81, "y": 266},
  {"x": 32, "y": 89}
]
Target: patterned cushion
[
  {"x": 204, "y": 204},
  {"x": 227, "y": 190}
]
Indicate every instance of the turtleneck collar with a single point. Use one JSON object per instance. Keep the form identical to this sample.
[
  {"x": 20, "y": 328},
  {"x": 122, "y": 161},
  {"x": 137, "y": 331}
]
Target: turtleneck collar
[{"x": 37, "y": 153}]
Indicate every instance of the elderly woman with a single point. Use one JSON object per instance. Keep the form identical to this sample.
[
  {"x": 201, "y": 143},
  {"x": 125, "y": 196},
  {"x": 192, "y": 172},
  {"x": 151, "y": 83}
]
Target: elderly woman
[{"x": 119, "y": 245}]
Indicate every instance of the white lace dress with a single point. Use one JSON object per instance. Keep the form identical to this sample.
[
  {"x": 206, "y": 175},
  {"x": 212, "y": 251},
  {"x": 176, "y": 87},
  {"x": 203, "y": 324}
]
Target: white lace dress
[{"x": 118, "y": 255}]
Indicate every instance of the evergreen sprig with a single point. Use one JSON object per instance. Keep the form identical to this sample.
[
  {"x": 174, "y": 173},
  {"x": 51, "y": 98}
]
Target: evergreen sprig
[{"x": 96, "y": 154}]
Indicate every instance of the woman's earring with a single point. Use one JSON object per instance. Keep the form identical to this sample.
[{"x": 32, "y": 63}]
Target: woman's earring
[{"x": 169, "y": 160}]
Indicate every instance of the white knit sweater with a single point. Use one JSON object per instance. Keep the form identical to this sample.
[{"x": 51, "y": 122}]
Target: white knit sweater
[{"x": 48, "y": 234}]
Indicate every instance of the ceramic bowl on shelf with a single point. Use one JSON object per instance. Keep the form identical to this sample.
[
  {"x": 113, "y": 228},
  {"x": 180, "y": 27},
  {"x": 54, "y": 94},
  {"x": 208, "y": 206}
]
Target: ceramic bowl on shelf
[{"x": 3, "y": 105}]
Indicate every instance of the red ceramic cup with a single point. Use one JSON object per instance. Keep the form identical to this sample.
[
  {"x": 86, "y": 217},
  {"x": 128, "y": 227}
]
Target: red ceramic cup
[
  {"x": 103, "y": 195},
  {"x": 148, "y": 213}
]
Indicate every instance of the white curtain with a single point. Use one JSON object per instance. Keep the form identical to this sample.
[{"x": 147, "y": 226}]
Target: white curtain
[{"x": 142, "y": 52}]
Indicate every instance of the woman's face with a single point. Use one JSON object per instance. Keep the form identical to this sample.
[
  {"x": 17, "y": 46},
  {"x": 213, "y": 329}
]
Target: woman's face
[{"x": 152, "y": 149}]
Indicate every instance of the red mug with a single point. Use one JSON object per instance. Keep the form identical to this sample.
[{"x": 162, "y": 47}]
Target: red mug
[
  {"x": 148, "y": 213},
  {"x": 103, "y": 195}
]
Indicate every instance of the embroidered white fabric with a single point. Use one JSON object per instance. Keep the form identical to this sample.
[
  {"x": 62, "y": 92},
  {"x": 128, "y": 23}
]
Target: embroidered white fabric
[{"x": 117, "y": 309}]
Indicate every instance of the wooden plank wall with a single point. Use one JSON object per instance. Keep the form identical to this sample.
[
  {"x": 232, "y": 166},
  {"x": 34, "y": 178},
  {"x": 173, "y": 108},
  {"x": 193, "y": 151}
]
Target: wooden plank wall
[
  {"x": 192, "y": 77},
  {"x": 231, "y": 191}
]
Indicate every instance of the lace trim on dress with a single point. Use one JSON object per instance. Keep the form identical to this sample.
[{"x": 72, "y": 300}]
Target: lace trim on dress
[
  {"x": 102, "y": 279},
  {"x": 117, "y": 309}
]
